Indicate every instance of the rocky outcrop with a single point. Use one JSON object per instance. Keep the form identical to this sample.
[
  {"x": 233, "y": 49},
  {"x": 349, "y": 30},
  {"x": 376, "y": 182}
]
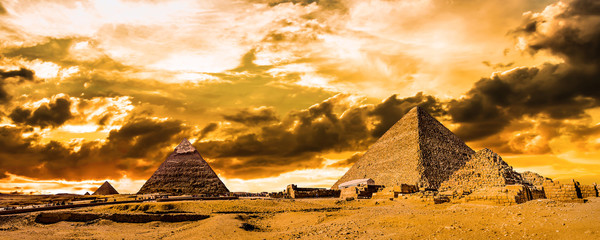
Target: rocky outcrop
[{"x": 185, "y": 172}]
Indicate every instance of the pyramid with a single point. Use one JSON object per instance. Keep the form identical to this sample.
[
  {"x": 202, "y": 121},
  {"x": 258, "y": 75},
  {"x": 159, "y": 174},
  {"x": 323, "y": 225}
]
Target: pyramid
[
  {"x": 105, "y": 189},
  {"x": 417, "y": 150},
  {"x": 485, "y": 169},
  {"x": 185, "y": 172},
  {"x": 86, "y": 193}
]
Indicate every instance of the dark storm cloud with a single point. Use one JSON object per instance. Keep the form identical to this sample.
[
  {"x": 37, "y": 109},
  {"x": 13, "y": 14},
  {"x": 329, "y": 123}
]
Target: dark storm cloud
[
  {"x": 292, "y": 143},
  {"x": 211, "y": 127},
  {"x": 576, "y": 39},
  {"x": 2, "y": 9},
  {"x": 297, "y": 140},
  {"x": 51, "y": 114},
  {"x": 254, "y": 116},
  {"x": 141, "y": 139},
  {"x": 326, "y": 4},
  {"x": 393, "y": 108},
  {"x": 148, "y": 134},
  {"x": 21, "y": 74},
  {"x": 559, "y": 91}
]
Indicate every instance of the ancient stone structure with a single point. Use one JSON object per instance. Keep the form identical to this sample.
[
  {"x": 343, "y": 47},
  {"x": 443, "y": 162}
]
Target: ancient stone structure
[
  {"x": 533, "y": 179},
  {"x": 395, "y": 191},
  {"x": 417, "y": 150},
  {"x": 357, "y": 182},
  {"x": 185, "y": 172},
  {"x": 293, "y": 191},
  {"x": 86, "y": 193},
  {"x": 484, "y": 169},
  {"x": 105, "y": 189},
  {"x": 507, "y": 195},
  {"x": 561, "y": 192},
  {"x": 356, "y": 192},
  {"x": 587, "y": 191}
]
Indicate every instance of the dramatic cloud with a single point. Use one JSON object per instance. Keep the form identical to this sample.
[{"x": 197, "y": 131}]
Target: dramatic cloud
[
  {"x": 254, "y": 116},
  {"x": 2, "y": 10},
  {"x": 561, "y": 91},
  {"x": 51, "y": 114},
  {"x": 211, "y": 127},
  {"x": 335, "y": 125},
  {"x": 134, "y": 150},
  {"x": 273, "y": 88},
  {"x": 21, "y": 74},
  {"x": 293, "y": 143}
]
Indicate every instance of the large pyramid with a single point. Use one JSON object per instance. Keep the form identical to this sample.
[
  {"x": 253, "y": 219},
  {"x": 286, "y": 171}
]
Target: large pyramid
[
  {"x": 185, "y": 172},
  {"x": 417, "y": 150},
  {"x": 105, "y": 189}
]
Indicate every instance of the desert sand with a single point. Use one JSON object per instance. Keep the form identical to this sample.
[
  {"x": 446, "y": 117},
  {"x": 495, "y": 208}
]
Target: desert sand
[{"x": 325, "y": 219}]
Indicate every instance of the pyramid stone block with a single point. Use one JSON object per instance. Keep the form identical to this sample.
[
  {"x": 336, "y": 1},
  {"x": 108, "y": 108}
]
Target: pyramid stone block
[{"x": 485, "y": 169}]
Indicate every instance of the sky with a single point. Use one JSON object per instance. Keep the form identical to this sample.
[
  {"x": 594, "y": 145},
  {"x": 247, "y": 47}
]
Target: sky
[{"x": 274, "y": 92}]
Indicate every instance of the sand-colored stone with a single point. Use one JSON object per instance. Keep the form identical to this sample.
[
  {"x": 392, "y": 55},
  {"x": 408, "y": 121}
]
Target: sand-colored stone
[
  {"x": 185, "y": 172},
  {"x": 417, "y": 150},
  {"x": 484, "y": 169},
  {"x": 566, "y": 192}
]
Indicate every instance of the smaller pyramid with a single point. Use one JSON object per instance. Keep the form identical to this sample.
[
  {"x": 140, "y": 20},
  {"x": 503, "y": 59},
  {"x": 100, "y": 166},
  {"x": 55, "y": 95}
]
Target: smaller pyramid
[
  {"x": 105, "y": 189},
  {"x": 484, "y": 169},
  {"x": 86, "y": 193},
  {"x": 185, "y": 172}
]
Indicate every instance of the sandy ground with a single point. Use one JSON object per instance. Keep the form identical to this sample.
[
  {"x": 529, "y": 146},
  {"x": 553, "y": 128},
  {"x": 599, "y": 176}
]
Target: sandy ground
[{"x": 328, "y": 219}]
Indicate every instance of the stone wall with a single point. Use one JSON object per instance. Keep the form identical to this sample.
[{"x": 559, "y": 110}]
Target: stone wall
[
  {"x": 533, "y": 178},
  {"x": 360, "y": 191},
  {"x": 393, "y": 192},
  {"x": 292, "y": 191},
  {"x": 561, "y": 192},
  {"x": 588, "y": 191},
  {"x": 508, "y": 195}
]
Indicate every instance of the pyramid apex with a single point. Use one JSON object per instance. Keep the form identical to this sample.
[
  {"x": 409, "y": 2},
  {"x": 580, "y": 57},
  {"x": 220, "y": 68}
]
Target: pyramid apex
[{"x": 184, "y": 147}]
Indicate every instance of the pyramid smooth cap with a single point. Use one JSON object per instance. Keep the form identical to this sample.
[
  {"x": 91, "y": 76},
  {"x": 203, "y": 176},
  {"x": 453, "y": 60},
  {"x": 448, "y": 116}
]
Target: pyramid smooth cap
[{"x": 184, "y": 147}]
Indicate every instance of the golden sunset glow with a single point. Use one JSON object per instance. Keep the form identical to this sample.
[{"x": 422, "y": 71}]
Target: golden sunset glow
[{"x": 273, "y": 92}]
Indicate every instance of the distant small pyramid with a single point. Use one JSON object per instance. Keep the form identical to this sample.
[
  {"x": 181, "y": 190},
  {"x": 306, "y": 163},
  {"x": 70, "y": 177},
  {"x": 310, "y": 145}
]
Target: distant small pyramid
[
  {"x": 484, "y": 169},
  {"x": 105, "y": 189},
  {"x": 185, "y": 172},
  {"x": 86, "y": 193},
  {"x": 417, "y": 150}
]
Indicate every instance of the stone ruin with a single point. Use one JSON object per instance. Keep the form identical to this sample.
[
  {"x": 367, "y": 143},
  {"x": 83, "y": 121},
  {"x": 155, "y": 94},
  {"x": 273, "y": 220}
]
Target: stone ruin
[
  {"x": 419, "y": 155},
  {"x": 293, "y": 191},
  {"x": 185, "y": 172},
  {"x": 483, "y": 169},
  {"x": 105, "y": 189}
]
